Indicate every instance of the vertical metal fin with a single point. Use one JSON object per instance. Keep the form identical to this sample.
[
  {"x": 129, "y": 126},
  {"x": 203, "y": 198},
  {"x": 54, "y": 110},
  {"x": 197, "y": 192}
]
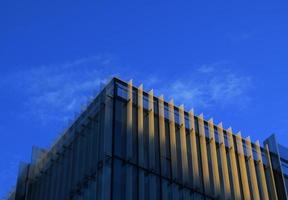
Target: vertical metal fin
[
  {"x": 252, "y": 171},
  {"x": 140, "y": 127},
  {"x": 129, "y": 143},
  {"x": 273, "y": 191},
  {"x": 214, "y": 159},
  {"x": 204, "y": 159},
  {"x": 260, "y": 169},
  {"x": 162, "y": 135},
  {"x": 151, "y": 144},
  {"x": 194, "y": 151},
  {"x": 141, "y": 182},
  {"x": 173, "y": 141},
  {"x": 184, "y": 159},
  {"x": 151, "y": 131},
  {"x": 224, "y": 166},
  {"x": 243, "y": 171},
  {"x": 233, "y": 164}
]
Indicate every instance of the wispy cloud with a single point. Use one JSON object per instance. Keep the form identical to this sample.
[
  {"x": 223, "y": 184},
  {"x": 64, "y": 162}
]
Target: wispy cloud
[
  {"x": 211, "y": 85},
  {"x": 206, "y": 68},
  {"x": 55, "y": 92}
]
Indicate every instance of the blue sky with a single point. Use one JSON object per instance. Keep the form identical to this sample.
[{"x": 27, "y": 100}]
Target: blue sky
[{"x": 225, "y": 59}]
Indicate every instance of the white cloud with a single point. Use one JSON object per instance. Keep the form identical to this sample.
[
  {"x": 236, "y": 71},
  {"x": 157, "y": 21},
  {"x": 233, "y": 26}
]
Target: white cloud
[
  {"x": 211, "y": 85},
  {"x": 55, "y": 92},
  {"x": 229, "y": 87},
  {"x": 206, "y": 69}
]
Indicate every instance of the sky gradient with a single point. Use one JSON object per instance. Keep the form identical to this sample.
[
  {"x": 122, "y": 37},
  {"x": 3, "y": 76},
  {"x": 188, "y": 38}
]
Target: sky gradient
[{"x": 226, "y": 60}]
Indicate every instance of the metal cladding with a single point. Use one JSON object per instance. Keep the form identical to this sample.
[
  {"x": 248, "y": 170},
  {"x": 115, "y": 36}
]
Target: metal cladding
[{"x": 129, "y": 144}]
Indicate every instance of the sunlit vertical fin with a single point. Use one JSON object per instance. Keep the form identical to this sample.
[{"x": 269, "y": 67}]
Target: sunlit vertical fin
[
  {"x": 151, "y": 144},
  {"x": 184, "y": 159},
  {"x": 141, "y": 182},
  {"x": 204, "y": 159},
  {"x": 151, "y": 130},
  {"x": 140, "y": 127},
  {"x": 273, "y": 191},
  {"x": 194, "y": 151},
  {"x": 233, "y": 164},
  {"x": 260, "y": 169},
  {"x": 129, "y": 143},
  {"x": 129, "y": 150},
  {"x": 214, "y": 159},
  {"x": 162, "y": 135},
  {"x": 243, "y": 170},
  {"x": 224, "y": 166},
  {"x": 252, "y": 171},
  {"x": 173, "y": 148}
]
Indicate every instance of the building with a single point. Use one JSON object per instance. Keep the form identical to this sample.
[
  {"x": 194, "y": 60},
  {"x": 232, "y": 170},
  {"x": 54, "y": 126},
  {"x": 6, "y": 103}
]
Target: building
[{"x": 129, "y": 144}]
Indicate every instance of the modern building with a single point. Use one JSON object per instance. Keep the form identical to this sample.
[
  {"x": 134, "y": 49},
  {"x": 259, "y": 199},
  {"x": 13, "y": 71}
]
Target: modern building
[{"x": 129, "y": 144}]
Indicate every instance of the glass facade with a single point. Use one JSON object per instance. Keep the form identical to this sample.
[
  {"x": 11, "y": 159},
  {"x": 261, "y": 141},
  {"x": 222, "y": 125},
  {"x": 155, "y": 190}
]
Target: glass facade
[{"x": 129, "y": 144}]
